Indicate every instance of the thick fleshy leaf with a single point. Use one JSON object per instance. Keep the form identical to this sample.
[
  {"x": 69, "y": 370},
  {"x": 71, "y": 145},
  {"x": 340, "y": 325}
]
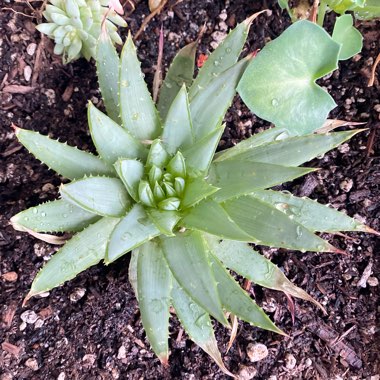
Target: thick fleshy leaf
[
  {"x": 85, "y": 249},
  {"x": 237, "y": 301},
  {"x": 165, "y": 221},
  {"x": 132, "y": 270},
  {"x": 269, "y": 226},
  {"x": 158, "y": 156},
  {"x": 99, "y": 195},
  {"x": 111, "y": 140},
  {"x": 130, "y": 172},
  {"x": 180, "y": 73},
  {"x": 176, "y": 166},
  {"x": 199, "y": 156},
  {"x": 209, "y": 216},
  {"x": 196, "y": 190},
  {"x": 133, "y": 230},
  {"x": 153, "y": 288},
  {"x": 348, "y": 36},
  {"x": 178, "y": 130},
  {"x": 242, "y": 259},
  {"x": 138, "y": 112},
  {"x": 270, "y": 135},
  {"x": 66, "y": 160},
  {"x": 235, "y": 177},
  {"x": 189, "y": 264},
  {"x": 55, "y": 216},
  {"x": 107, "y": 67},
  {"x": 295, "y": 151},
  {"x": 311, "y": 214},
  {"x": 224, "y": 56},
  {"x": 209, "y": 106},
  {"x": 369, "y": 12},
  {"x": 197, "y": 324},
  {"x": 279, "y": 84}
]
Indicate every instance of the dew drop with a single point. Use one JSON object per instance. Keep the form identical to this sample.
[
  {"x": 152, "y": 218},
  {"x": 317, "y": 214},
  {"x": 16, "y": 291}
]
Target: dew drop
[
  {"x": 43, "y": 213},
  {"x": 216, "y": 63},
  {"x": 135, "y": 116},
  {"x": 228, "y": 50},
  {"x": 274, "y": 102},
  {"x": 35, "y": 211}
]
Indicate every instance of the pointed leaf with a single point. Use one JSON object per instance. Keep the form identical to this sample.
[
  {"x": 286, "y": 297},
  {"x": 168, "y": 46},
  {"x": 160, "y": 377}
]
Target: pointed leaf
[
  {"x": 209, "y": 216},
  {"x": 100, "y": 195},
  {"x": 85, "y": 249},
  {"x": 146, "y": 194},
  {"x": 311, "y": 214},
  {"x": 242, "y": 259},
  {"x": 176, "y": 166},
  {"x": 153, "y": 288},
  {"x": 178, "y": 129},
  {"x": 138, "y": 112},
  {"x": 279, "y": 84},
  {"x": 197, "y": 324},
  {"x": 196, "y": 190},
  {"x": 55, "y": 216},
  {"x": 295, "y": 151},
  {"x": 235, "y": 178},
  {"x": 188, "y": 262},
  {"x": 133, "y": 230},
  {"x": 170, "y": 204},
  {"x": 131, "y": 173},
  {"x": 209, "y": 106},
  {"x": 158, "y": 156},
  {"x": 67, "y": 161},
  {"x": 238, "y": 302},
  {"x": 165, "y": 221},
  {"x": 348, "y": 36},
  {"x": 111, "y": 140},
  {"x": 107, "y": 66},
  {"x": 271, "y": 227},
  {"x": 180, "y": 73}
]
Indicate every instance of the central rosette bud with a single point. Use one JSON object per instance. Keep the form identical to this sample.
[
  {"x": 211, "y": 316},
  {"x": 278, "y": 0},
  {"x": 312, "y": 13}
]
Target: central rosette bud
[{"x": 164, "y": 183}]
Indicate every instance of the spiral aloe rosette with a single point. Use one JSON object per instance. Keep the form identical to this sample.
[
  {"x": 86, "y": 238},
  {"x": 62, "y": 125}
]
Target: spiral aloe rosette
[
  {"x": 157, "y": 190},
  {"x": 75, "y": 26}
]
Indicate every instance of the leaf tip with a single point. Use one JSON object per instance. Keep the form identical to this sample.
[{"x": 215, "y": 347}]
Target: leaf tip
[
  {"x": 164, "y": 359},
  {"x": 16, "y": 129},
  {"x": 248, "y": 21},
  {"x": 27, "y": 298}
]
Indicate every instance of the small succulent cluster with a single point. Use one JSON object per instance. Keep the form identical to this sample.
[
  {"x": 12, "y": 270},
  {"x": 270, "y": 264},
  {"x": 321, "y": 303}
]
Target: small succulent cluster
[
  {"x": 187, "y": 215},
  {"x": 75, "y": 26}
]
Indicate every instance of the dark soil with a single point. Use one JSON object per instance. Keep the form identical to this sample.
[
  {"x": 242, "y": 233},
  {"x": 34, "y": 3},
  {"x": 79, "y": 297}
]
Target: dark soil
[{"x": 89, "y": 328}]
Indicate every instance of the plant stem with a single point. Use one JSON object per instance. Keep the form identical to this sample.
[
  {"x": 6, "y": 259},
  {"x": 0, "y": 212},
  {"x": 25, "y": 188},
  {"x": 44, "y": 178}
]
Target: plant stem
[{"x": 322, "y": 12}]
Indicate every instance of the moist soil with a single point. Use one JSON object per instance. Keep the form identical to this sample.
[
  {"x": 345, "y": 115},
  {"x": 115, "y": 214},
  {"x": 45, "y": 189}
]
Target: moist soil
[{"x": 90, "y": 327}]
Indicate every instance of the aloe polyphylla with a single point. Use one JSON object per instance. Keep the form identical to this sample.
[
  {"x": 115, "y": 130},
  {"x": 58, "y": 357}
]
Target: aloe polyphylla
[{"x": 158, "y": 190}]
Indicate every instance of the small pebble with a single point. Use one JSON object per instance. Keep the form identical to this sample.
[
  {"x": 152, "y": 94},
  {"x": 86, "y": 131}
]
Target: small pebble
[
  {"x": 39, "y": 323},
  {"x": 246, "y": 372},
  {"x": 346, "y": 185},
  {"x": 89, "y": 360},
  {"x": 372, "y": 281},
  {"x": 256, "y": 352},
  {"x": 308, "y": 363},
  {"x": 61, "y": 376},
  {"x": 32, "y": 364},
  {"x": 77, "y": 294},
  {"x": 22, "y": 326},
  {"x": 31, "y": 48},
  {"x": 10, "y": 276},
  {"x": 27, "y": 73},
  {"x": 290, "y": 361},
  {"x": 29, "y": 316},
  {"x": 377, "y": 108},
  {"x": 122, "y": 353}
]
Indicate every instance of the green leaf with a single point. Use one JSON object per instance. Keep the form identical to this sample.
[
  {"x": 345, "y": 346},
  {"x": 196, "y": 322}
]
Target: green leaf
[
  {"x": 295, "y": 151},
  {"x": 178, "y": 130},
  {"x": 224, "y": 56},
  {"x": 158, "y": 156},
  {"x": 130, "y": 172},
  {"x": 279, "y": 84},
  {"x": 111, "y": 140},
  {"x": 347, "y": 36},
  {"x": 209, "y": 216},
  {"x": 55, "y": 216},
  {"x": 238, "y": 302},
  {"x": 153, "y": 288},
  {"x": 209, "y": 106},
  {"x": 311, "y": 214},
  {"x": 132, "y": 270},
  {"x": 188, "y": 261},
  {"x": 165, "y": 221},
  {"x": 107, "y": 66},
  {"x": 369, "y": 12},
  {"x": 199, "y": 156},
  {"x": 270, "y": 135},
  {"x": 99, "y": 195},
  {"x": 133, "y": 230},
  {"x": 196, "y": 190},
  {"x": 67, "y": 161},
  {"x": 138, "y": 112},
  {"x": 180, "y": 73},
  {"x": 235, "y": 178},
  {"x": 269, "y": 226},
  {"x": 146, "y": 194},
  {"x": 82, "y": 251},
  {"x": 242, "y": 259},
  {"x": 177, "y": 166},
  {"x": 169, "y": 204},
  {"x": 197, "y": 324}
]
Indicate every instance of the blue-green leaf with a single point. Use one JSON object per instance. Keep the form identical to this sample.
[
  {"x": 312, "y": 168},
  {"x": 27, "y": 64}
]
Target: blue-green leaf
[{"x": 130, "y": 172}]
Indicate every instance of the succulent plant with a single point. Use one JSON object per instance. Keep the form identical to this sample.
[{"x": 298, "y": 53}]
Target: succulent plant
[
  {"x": 75, "y": 26},
  {"x": 157, "y": 190}
]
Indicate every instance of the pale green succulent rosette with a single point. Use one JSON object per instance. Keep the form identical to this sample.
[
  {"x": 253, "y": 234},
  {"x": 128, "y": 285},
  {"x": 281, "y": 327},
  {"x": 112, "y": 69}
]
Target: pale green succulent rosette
[
  {"x": 75, "y": 26},
  {"x": 187, "y": 215}
]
